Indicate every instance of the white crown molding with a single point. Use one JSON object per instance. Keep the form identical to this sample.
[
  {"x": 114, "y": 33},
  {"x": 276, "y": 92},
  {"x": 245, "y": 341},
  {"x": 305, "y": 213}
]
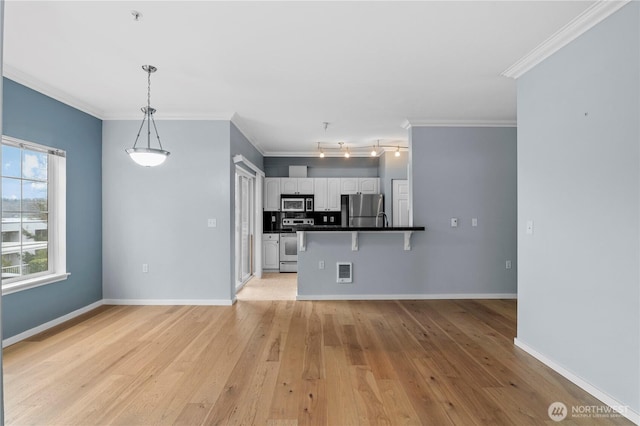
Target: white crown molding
[
  {"x": 409, "y": 123},
  {"x": 241, "y": 124},
  {"x": 592, "y": 16},
  {"x": 31, "y": 82}
]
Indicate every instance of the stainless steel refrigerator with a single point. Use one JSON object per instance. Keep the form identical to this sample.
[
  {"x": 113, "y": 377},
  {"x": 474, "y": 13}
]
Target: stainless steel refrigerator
[{"x": 362, "y": 210}]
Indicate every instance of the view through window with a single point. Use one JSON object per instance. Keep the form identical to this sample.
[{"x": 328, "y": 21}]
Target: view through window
[{"x": 28, "y": 218}]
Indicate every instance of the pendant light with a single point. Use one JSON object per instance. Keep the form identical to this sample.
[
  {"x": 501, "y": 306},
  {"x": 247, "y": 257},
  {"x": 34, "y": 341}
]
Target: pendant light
[
  {"x": 147, "y": 156},
  {"x": 398, "y": 152}
]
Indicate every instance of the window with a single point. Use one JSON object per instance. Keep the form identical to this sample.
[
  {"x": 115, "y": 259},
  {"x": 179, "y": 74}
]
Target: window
[{"x": 33, "y": 215}]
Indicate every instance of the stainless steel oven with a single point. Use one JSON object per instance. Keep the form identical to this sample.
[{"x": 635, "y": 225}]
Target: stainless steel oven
[
  {"x": 288, "y": 252},
  {"x": 289, "y": 243}
]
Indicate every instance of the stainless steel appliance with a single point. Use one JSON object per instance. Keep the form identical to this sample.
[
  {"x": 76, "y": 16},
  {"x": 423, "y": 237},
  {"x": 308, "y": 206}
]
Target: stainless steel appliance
[
  {"x": 289, "y": 243},
  {"x": 363, "y": 210},
  {"x": 296, "y": 203}
]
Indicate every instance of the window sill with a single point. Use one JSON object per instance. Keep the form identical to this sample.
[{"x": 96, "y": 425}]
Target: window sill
[{"x": 33, "y": 282}]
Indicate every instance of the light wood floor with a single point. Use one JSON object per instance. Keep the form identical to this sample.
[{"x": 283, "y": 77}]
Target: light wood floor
[
  {"x": 286, "y": 363},
  {"x": 272, "y": 286}
]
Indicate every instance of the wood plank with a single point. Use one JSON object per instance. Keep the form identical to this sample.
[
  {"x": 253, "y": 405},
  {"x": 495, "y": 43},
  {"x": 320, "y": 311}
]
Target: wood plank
[{"x": 287, "y": 363}]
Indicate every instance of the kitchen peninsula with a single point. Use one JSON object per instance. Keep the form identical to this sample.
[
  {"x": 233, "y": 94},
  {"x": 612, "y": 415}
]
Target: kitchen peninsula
[
  {"x": 355, "y": 231},
  {"x": 375, "y": 258}
]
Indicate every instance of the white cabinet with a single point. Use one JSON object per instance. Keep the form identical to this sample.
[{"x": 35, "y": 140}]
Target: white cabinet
[
  {"x": 369, "y": 185},
  {"x": 333, "y": 194},
  {"x": 349, "y": 185},
  {"x": 271, "y": 194},
  {"x": 326, "y": 194},
  {"x": 305, "y": 185},
  {"x": 288, "y": 185},
  {"x": 270, "y": 251},
  {"x": 296, "y": 185},
  {"x": 320, "y": 195},
  {"x": 359, "y": 185}
]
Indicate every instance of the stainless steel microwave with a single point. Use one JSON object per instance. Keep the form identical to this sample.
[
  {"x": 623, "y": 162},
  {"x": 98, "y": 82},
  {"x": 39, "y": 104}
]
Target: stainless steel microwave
[{"x": 296, "y": 204}]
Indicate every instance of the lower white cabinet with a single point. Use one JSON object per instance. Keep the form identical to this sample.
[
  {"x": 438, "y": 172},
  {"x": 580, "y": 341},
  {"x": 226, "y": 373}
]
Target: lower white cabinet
[{"x": 270, "y": 251}]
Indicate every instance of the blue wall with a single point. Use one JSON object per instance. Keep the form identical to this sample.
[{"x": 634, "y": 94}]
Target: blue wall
[
  {"x": 34, "y": 117},
  {"x": 463, "y": 172},
  {"x": 578, "y": 169}
]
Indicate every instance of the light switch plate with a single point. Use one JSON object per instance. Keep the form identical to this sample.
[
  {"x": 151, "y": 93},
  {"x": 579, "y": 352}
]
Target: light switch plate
[
  {"x": 212, "y": 223},
  {"x": 474, "y": 221},
  {"x": 454, "y": 222}
]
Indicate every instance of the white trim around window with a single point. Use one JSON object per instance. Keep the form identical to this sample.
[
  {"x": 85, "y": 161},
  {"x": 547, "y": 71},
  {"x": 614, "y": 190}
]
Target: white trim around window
[{"x": 56, "y": 224}]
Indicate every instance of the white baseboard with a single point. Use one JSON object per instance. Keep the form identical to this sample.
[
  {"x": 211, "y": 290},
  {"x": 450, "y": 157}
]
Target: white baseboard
[
  {"x": 169, "y": 302},
  {"x": 578, "y": 381},
  {"x": 405, "y": 296},
  {"x": 47, "y": 325}
]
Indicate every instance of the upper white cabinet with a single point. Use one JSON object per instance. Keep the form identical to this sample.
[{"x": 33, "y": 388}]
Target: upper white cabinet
[
  {"x": 305, "y": 185},
  {"x": 369, "y": 185},
  {"x": 320, "y": 195},
  {"x": 333, "y": 194},
  {"x": 348, "y": 185},
  {"x": 326, "y": 191},
  {"x": 272, "y": 194},
  {"x": 326, "y": 194},
  {"x": 359, "y": 185},
  {"x": 296, "y": 185}
]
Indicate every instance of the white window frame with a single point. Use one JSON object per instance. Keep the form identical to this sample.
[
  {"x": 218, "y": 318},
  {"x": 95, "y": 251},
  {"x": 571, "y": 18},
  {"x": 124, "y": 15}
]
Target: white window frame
[{"x": 57, "y": 223}]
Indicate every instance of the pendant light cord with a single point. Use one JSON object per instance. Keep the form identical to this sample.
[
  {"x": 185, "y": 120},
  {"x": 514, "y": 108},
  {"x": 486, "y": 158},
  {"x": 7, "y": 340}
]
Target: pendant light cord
[{"x": 148, "y": 116}]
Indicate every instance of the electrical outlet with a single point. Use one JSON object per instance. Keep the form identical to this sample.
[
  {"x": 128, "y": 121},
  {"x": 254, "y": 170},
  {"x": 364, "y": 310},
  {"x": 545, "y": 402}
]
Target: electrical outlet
[
  {"x": 321, "y": 264},
  {"x": 507, "y": 264},
  {"x": 332, "y": 219},
  {"x": 145, "y": 268},
  {"x": 324, "y": 219},
  {"x": 212, "y": 223}
]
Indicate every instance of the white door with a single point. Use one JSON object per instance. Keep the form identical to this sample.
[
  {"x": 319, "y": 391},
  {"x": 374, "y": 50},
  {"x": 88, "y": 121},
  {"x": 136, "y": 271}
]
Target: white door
[
  {"x": 244, "y": 226},
  {"x": 400, "y": 202}
]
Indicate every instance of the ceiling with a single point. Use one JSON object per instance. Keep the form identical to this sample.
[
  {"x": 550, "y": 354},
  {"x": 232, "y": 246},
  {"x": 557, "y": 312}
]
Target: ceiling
[{"x": 281, "y": 69}]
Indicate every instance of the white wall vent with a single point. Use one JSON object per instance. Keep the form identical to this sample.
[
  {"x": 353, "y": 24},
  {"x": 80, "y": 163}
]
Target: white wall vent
[{"x": 345, "y": 272}]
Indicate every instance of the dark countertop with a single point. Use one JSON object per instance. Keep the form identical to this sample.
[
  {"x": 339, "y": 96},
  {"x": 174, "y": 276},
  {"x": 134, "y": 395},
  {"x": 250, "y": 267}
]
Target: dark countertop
[{"x": 333, "y": 228}]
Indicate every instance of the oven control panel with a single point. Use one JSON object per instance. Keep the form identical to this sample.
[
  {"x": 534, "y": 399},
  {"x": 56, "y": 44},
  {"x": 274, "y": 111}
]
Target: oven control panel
[{"x": 289, "y": 222}]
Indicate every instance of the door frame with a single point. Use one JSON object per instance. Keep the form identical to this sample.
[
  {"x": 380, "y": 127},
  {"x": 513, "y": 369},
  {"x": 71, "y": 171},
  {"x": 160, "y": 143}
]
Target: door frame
[{"x": 245, "y": 167}]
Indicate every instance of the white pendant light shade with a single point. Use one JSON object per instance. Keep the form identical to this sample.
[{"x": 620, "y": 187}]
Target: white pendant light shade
[{"x": 148, "y": 157}]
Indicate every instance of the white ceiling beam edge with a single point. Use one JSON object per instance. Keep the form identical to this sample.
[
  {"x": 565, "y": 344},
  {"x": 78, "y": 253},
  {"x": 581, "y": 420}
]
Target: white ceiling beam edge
[{"x": 588, "y": 19}]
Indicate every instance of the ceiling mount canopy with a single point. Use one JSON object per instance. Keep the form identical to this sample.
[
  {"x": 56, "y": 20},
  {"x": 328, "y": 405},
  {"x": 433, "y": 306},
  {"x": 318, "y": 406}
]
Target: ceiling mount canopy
[{"x": 147, "y": 156}]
